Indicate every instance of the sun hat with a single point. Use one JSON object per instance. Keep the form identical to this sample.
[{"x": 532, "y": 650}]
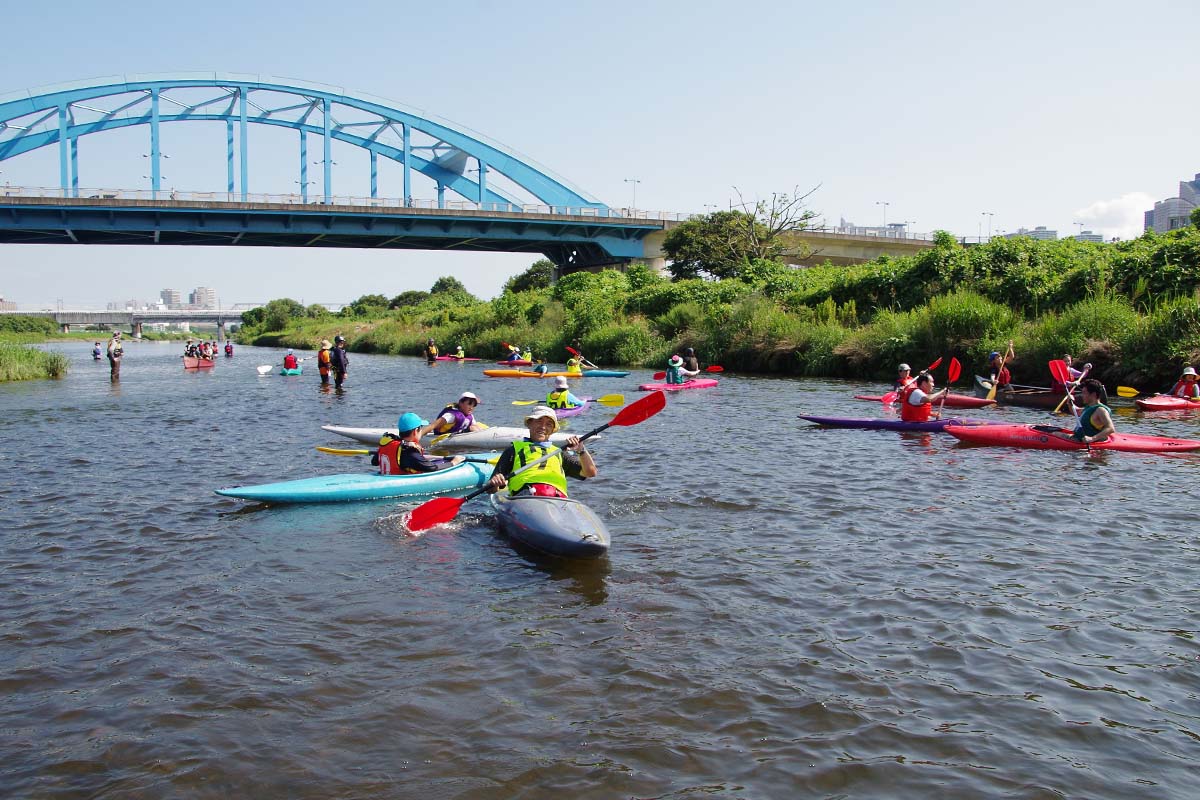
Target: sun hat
[
  {"x": 561, "y": 382},
  {"x": 514, "y": 348},
  {"x": 325, "y": 345},
  {"x": 675, "y": 361},
  {"x": 539, "y": 412},
  {"x": 903, "y": 368},
  {"x": 409, "y": 422},
  {"x": 469, "y": 396},
  {"x": 1189, "y": 371}
]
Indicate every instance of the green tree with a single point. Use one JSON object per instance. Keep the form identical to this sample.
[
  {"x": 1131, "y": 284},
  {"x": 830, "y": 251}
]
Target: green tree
[
  {"x": 277, "y": 314},
  {"x": 446, "y": 284},
  {"x": 539, "y": 276},
  {"x": 316, "y": 311},
  {"x": 367, "y": 304},
  {"x": 413, "y": 297},
  {"x": 253, "y": 316},
  {"x": 1195, "y": 216},
  {"x": 713, "y": 244}
]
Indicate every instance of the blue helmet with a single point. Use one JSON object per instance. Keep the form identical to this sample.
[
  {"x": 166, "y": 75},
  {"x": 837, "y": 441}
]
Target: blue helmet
[{"x": 409, "y": 422}]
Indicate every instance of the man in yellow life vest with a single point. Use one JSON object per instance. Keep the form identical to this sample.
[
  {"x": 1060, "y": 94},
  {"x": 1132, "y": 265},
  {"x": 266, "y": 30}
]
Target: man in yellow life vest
[
  {"x": 573, "y": 366},
  {"x": 549, "y": 478}
]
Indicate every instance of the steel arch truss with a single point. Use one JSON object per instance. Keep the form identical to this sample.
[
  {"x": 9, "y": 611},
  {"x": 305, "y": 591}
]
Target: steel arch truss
[{"x": 464, "y": 162}]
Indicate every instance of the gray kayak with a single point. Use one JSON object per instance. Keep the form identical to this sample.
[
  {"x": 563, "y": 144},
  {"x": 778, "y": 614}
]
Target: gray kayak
[
  {"x": 554, "y": 525},
  {"x": 488, "y": 439}
]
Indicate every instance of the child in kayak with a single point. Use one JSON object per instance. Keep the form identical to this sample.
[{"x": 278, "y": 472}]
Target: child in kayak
[
  {"x": 1095, "y": 419},
  {"x": 1187, "y": 385},
  {"x": 561, "y": 397},
  {"x": 457, "y": 417},
  {"x": 403, "y": 454},
  {"x": 549, "y": 478},
  {"x": 676, "y": 371}
]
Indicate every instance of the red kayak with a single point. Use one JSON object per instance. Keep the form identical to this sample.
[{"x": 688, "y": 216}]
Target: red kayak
[
  {"x": 1041, "y": 437},
  {"x": 1165, "y": 402},
  {"x": 191, "y": 362},
  {"x": 952, "y": 400}
]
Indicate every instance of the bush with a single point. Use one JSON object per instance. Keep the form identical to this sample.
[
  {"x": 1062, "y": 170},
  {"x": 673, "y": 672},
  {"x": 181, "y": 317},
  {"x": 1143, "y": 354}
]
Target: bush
[{"x": 27, "y": 363}]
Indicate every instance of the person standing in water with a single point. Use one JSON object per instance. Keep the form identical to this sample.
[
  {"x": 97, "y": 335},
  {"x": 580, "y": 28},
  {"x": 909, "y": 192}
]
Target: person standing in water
[{"x": 115, "y": 352}]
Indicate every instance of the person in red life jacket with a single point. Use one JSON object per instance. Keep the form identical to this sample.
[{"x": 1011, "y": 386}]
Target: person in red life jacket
[
  {"x": 289, "y": 361},
  {"x": 228, "y": 348},
  {"x": 323, "y": 361},
  {"x": 998, "y": 369},
  {"x": 1187, "y": 385},
  {"x": 903, "y": 377},
  {"x": 457, "y": 417},
  {"x": 549, "y": 478},
  {"x": 403, "y": 454},
  {"x": 917, "y": 399}
]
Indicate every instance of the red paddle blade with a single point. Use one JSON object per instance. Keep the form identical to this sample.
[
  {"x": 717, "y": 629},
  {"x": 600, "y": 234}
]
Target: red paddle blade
[
  {"x": 955, "y": 370},
  {"x": 1058, "y": 368},
  {"x": 573, "y": 351},
  {"x": 641, "y": 410},
  {"x": 934, "y": 365},
  {"x": 658, "y": 376},
  {"x": 890, "y": 397},
  {"x": 714, "y": 368},
  {"x": 437, "y": 511}
]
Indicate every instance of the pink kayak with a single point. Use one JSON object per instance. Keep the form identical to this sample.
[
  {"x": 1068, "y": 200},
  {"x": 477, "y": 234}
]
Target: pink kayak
[
  {"x": 952, "y": 400},
  {"x": 1165, "y": 402},
  {"x": 1041, "y": 437},
  {"x": 694, "y": 383},
  {"x": 516, "y": 362}
]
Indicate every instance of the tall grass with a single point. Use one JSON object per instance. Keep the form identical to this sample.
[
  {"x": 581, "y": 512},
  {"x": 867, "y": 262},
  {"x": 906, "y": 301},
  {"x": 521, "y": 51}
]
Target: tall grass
[{"x": 27, "y": 364}]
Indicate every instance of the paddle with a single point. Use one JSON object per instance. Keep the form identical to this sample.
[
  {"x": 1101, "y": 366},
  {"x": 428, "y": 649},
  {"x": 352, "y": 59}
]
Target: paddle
[
  {"x": 891, "y": 397},
  {"x": 951, "y": 376},
  {"x": 344, "y": 451},
  {"x": 991, "y": 395},
  {"x": 1058, "y": 368},
  {"x": 1127, "y": 391},
  {"x": 658, "y": 376},
  {"x": 443, "y": 509},
  {"x": 606, "y": 400},
  {"x": 582, "y": 360}
]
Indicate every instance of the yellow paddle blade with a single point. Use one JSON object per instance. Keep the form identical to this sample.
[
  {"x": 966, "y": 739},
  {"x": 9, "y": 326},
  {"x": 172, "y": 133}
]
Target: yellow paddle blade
[
  {"x": 1127, "y": 391},
  {"x": 343, "y": 451},
  {"x": 611, "y": 400},
  {"x": 523, "y": 402}
]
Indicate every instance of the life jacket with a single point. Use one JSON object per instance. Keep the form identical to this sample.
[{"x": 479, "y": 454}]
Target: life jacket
[
  {"x": 573, "y": 366},
  {"x": 1085, "y": 427},
  {"x": 228, "y": 349},
  {"x": 289, "y": 361},
  {"x": 462, "y": 422},
  {"x": 909, "y": 412},
  {"x": 549, "y": 472},
  {"x": 389, "y": 456},
  {"x": 527, "y": 355},
  {"x": 431, "y": 352},
  {"x": 1184, "y": 388},
  {"x": 1004, "y": 377},
  {"x": 460, "y": 353},
  {"x": 559, "y": 399},
  {"x": 674, "y": 374}
]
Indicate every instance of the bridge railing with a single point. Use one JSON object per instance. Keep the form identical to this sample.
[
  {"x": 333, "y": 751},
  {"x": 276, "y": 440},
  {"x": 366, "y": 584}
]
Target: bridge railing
[{"x": 315, "y": 202}]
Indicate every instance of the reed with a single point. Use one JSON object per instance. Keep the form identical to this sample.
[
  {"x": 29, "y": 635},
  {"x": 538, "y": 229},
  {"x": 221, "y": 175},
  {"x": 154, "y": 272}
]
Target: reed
[{"x": 28, "y": 364}]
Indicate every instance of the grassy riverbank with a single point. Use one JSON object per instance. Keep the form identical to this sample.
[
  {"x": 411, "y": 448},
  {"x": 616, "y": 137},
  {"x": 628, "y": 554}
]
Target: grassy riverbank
[
  {"x": 1130, "y": 308},
  {"x": 19, "y": 363}
]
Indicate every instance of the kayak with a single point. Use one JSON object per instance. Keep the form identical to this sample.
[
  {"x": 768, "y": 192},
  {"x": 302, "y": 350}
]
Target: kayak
[
  {"x": 456, "y": 358},
  {"x": 952, "y": 400},
  {"x": 1165, "y": 402},
  {"x": 1040, "y": 437},
  {"x": 365, "y": 486},
  {"x": 605, "y": 373},
  {"x": 524, "y": 373},
  {"x": 486, "y": 439},
  {"x": 192, "y": 362},
  {"x": 558, "y": 526},
  {"x": 1027, "y": 396},
  {"x": 296, "y": 371},
  {"x": 516, "y": 362},
  {"x": 893, "y": 424},
  {"x": 694, "y": 383},
  {"x": 574, "y": 411}
]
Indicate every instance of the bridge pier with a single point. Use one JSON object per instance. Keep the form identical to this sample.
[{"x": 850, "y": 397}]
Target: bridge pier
[
  {"x": 137, "y": 330},
  {"x": 221, "y": 334}
]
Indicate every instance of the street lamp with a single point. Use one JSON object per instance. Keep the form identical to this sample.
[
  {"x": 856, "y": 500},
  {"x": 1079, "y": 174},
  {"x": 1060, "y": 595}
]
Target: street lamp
[
  {"x": 908, "y": 222},
  {"x": 989, "y": 215},
  {"x": 635, "y": 182},
  {"x": 885, "y": 204},
  {"x": 1079, "y": 232}
]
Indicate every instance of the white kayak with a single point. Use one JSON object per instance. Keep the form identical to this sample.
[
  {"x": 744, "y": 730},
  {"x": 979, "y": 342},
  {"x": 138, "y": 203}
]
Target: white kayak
[{"x": 486, "y": 439}]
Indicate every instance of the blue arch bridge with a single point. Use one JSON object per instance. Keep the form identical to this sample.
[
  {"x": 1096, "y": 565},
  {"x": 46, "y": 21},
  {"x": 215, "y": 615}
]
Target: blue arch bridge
[{"x": 479, "y": 196}]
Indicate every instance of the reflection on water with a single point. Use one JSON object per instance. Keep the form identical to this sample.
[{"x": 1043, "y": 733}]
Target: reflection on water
[{"x": 786, "y": 610}]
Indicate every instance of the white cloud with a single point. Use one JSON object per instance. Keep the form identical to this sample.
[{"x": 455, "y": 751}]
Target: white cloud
[{"x": 1122, "y": 217}]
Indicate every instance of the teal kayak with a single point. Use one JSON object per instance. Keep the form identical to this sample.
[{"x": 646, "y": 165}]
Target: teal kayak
[
  {"x": 604, "y": 373},
  {"x": 296, "y": 371},
  {"x": 365, "y": 486}
]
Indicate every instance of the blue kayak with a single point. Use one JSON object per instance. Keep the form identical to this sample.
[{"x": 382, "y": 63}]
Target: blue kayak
[
  {"x": 296, "y": 371},
  {"x": 557, "y": 526},
  {"x": 365, "y": 486},
  {"x": 604, "y": 373}
]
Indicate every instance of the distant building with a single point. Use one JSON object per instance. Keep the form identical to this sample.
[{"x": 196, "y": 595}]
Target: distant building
[
  {"x": 203, "y": 297},
  {"x": 1174, "y": 212},
  {"x": 1040, "y": 232},
  {"x": 171, "y": 298},
  {"x": 1088, "y": 236},
  {"x": 7, "y": 305}
]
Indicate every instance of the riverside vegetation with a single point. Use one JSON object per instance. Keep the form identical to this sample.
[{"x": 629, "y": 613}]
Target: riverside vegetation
[
  {"x": 1129, "y": 307},
  {"x": 20, "y": 363}
]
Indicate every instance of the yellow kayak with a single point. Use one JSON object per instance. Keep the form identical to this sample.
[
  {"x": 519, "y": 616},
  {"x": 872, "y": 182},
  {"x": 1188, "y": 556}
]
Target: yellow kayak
[{"x": 524, "y": 373}]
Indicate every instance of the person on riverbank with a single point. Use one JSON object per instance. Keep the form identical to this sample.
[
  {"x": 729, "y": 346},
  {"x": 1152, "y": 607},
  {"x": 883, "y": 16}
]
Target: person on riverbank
[
  {"x": 457, "y": 417},
  {"x": 560, "y": 396},
  {"x": 323, "y": 361},
  {"x": 549, "y": 478},
  {"x": 1095, "y": 419},
  {"x": 289, "y": 361},
  {"x": 115, "y": 353},
  {"x": 403, "y": 454},
  {"x": 339, "y": 361},
  {"x": 676, "y": 373},
  {"x": 917, "y": 399},
  {"x": 903, "y": 377},
  {"x": 431, "y": 351},
  {"x": 1187, "y": 385}
]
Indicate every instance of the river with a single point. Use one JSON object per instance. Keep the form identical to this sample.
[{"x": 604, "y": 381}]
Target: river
[{"x": 787, "y": 611}]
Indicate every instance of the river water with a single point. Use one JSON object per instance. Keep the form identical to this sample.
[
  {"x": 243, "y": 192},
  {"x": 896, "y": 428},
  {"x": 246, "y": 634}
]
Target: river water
[{"x": 787, "y": 611}]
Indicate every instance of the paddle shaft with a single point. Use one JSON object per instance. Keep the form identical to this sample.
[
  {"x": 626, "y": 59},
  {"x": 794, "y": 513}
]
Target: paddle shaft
[
  {"x": 549, "y": 454},
  {"x": 1071, "y": 387}
]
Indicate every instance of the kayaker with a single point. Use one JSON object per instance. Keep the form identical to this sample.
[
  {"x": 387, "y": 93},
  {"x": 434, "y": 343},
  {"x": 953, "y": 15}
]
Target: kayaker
[
  {"x": 431, "y": 351},
  {"x": 573, "y": 366},
  {"x": 114, "y": 353},
  {"x": 403, "y": 454},
  {"x": 289, "y": 361},
  {"x": 528, "y": 355},
  {"x": 560, "y": 396},
  {"x": 676, "y": 372},
  {"x": 903, "y": 377},
  {"x": 1187, "y": 385},
  {"x": 549, "y": 478},
  {"x": 457, "y": 417},
  {"x": 460, "y": 353},
  {"x": 998, "y": 370},
  {"x": 578, "y": 348},
  {"x": 690, "y": 362},
  {"x": 514, "y": 353},
  {"x": 1058, "y": 386},
  {"x": 339, "y": 361},
  {"x": 323, "y": 361},
  {"x": 1095, "y": 419},
  {"x": 917, "y": 399}
]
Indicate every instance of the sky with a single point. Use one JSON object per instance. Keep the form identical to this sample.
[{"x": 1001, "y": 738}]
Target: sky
[{"x": 961, "y": 116}]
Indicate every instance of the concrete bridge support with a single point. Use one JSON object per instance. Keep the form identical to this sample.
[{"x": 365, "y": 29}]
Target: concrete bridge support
[{"x": 137, "y": 330}]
